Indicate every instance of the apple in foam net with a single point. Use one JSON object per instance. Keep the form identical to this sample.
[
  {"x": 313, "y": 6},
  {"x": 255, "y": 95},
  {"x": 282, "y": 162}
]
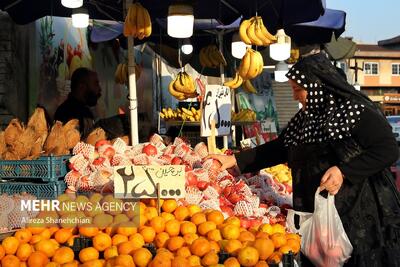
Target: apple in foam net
[
  {"x": 99, "y": 161},
  {"x": 202, "y": 185},
  {"x": 109, "y": 152},
  {"x": 191, "y": 179},
  {"x": 150, "y": 150},
  {"x": 101, "y": 143},
  {"x": 177, "y": 161}
]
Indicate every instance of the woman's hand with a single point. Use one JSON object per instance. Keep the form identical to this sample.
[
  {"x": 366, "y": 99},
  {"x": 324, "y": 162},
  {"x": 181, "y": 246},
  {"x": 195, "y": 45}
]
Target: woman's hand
[
  {"x": 332, "y": 180},
  {"x": 227, "y": 161}
]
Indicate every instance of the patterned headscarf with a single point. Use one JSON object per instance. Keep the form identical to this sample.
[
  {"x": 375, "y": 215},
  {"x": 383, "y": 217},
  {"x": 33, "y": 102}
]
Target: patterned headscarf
[{"x": 329, "y": 115}]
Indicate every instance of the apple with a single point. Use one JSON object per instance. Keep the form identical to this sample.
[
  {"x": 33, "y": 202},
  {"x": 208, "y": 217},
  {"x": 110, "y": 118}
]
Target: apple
[
  {"x": 71, "y": 166},
  {"x": 177, "y": 161},
  {"x": 245, "y": 222},
  {"x": 234, "y": 197},
  {"x": 109, "y": 152},
  {"x": 217, "y": 187},
  {"x": 191, "y": 179},
  {"x": 99, "y": 161},
  {"x": 227, "y": 210},
  {"x": 202, "y": 185},
  {"x": 102, "y": 143},
  {"x": 188, "y": 168},
  {"x": 150, "y": 150},
  {"x": 227, "y": 191}
]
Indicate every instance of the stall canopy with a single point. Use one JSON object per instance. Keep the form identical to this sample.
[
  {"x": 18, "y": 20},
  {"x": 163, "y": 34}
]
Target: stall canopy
[{"x": 275, "y": 13}]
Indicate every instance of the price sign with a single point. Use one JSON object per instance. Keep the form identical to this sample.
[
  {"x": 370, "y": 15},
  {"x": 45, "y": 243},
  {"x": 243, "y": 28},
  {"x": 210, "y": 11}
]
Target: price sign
[
  {"x": 268, "y": 126},
  {"x": 216, "y": 106},
  {"x": 141, "y": 181}
]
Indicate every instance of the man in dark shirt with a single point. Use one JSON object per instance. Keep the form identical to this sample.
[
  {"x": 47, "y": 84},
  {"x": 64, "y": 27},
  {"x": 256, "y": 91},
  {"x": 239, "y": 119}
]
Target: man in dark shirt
[{"x": 85, "y": 91}]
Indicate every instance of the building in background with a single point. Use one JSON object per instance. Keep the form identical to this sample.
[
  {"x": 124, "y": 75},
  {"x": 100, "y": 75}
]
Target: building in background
[{"x": 376, "y": 69}]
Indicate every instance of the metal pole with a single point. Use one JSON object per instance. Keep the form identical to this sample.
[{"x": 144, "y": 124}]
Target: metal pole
[
  {"x": 222, "y": 72},
  {"x": 132, "y": 88}
]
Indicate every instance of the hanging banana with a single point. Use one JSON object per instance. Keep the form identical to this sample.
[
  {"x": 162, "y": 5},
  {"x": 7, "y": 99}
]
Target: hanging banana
[{"x": 253, "y": 32}]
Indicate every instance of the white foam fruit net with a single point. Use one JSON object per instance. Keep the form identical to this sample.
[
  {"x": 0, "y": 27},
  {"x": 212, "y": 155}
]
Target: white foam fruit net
[
  {"x": 17, "y": 217},
  {"x": 86, "y": 150},
  {"x": 210, "y": 204},
  {"x": 120, "y": 146},
  {"x": 201, "y": 149},
  {"x": 193, "y": 195},
  {"x": 243, "y": 208},
  {"x": 211, "y": 193},
  {"x": 6, "y": 206}
]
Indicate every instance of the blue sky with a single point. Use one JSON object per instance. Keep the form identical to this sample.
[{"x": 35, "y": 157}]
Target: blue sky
[{"x": 369, "y": 21}]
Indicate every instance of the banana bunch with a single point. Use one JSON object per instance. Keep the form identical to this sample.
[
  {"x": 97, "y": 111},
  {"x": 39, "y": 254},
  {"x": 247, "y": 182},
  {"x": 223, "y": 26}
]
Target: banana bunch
[
  {"x": 244, "y": 115},
  {"x": 251, "y": 65},
  {"x": 121, "y": 73},
  {"x": 181, "y": 114},
  {"x": 253, "y": 32},
  {"x": 137, "y": 22},
  {"x": 235, "y": 82},
  {"x": 211, "y": 57},
  {"x": 248, "y": 87},
  {"x": 183, "y": 87},
  {"x": 281, "y": 172}
]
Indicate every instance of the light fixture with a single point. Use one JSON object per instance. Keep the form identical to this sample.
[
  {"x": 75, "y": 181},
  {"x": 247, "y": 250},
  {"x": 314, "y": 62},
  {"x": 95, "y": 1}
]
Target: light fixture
[
  {"x": 80, "y": 18},
  {"x": 357, "y": 86},
  {"x": 180, "y": 21},
  {"x": 238, "y": 47},
  {"x": 280, "y": 50},
  {"x": 280, "y": 72},
  {"x": 72, "y": 3},
  {"x": 187, "y": 47}
]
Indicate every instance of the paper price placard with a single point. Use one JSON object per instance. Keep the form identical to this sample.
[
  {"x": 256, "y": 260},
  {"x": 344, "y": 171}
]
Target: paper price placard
[
  {"x": 141, "y": 181},
  {"x": 216, "y": 106}
]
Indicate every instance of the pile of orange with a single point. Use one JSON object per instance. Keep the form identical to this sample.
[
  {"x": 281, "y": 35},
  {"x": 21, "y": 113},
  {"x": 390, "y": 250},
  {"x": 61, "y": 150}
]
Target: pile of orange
[{"x": 181, "y": 235}]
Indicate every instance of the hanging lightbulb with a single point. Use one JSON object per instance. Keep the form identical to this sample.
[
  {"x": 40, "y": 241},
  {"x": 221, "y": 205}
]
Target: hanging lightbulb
[
  {"x": 281, "y": 69},
  {"x": 280, "y": 50},
  {"x": 72, "y": 3},
  {"x": 238, "y": 47},
  {"x": 80, "y": 18},
  {"x": 187, "y": 47},
  {"x": 180, "y": 21}
]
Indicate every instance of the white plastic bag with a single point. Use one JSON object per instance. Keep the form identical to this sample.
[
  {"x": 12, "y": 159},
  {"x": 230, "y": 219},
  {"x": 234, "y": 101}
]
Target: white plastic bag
[{"x": 323, "y": 239}]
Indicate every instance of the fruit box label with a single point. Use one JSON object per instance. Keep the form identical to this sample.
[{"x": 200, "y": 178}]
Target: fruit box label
[
  {"x": 216, "y": 106},
  {"x": 141, "y": 181}
]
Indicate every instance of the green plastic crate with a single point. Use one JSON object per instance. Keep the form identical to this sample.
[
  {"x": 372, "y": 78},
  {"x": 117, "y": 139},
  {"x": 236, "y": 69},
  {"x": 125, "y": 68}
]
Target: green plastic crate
[
  {"x": 46, "y": 169},
  {"x": 49, "y": 190}
]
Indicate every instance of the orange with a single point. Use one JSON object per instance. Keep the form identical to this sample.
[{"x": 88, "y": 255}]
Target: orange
[
  {"x": 246, "y": 236},
  {"x": 63, "y": 255},
  {"x": 153, "y": 202},
  {"x": 181, "y": 213},
  {"x": 193, "y": 209},
  {"x": 210, "y": 258},
  {"x": 46, "y": 234},
  {"x": 2, "y": 252},
  {"x": 261, "y": 264},
  {"x": 165, "y": 252},
  {"x": 127, "y": 248},
  {"x": 23, "y": 235},
  {"x": 102, "y": 241},
  {"x": 137, "y": 240},
  {"x": 262, "y": 235},
  {"x": 74, "y": 263},
  {"x": 24, "y": 251},
  {"x": 50, "y": 264},
  {"x": 188, "y": 228},
  {"x": 231, "y": 262},
  {"x": 158, "y": 224},
  {"x": 127, "y": 228},
  {"x": 175, "y": 243},
  {"x": 142, "y": 207},
  {"x": 230, "y": 231},
  {"x": 110, "y": 252},
  {"x": 265, "y": 247},
  {"x": 200, "y": 247},
  {"x": 160, "y": 261},
  {"x": 142, "y": 257},
  {"x": 103, "y": 220},
  {"x": 232, "y": 246},
  {"x": 167, "y": 216},
  {"x": 37, "y": 259},
  {"x": 294, "y": 244},
  {"x": 285, "y": 249},
  {"x": 184, "y": 252},
  {"x": 148, "y": 234},
  {"x": 47, "y": 247},
  {"x": 118, "y": 239},
  {"x": 142, "y": 220},
  {"x": 233, "y": 220},
  {"x": 62, "y": 235},
  {"x": 12, "y": 261},
  {"x": 194, "y": 260},
  {"x": 93, "y": 263},
  {"x": 124, "y": 261},
  {"x": 206, "y": 227},
  {"x": 198, "y": 218},
  {"x": 10, "y": 244},
  {"x": 248, "y": 256},
  {"x": 276, "y": 257},
  {"x": 169, "y": 205},
  {"x": 88, "y": 230},
  {"x": 278, "y": 228},
  {"x": 35, "y": 230},
  {"x": 161, "y": 240},
  {"x": 215, "y": 216},
  {"x": 150, "y": 213},
  {"x": 278, "y": 239},
  {"x": 189, "y": 238},
  {"x": 70, "y": 241},
  {"x": 214, "y": 235},
  {"x": 293, "y": 236},
  {"x": 120, "y": 218},
  {"x": 215, "y": 246},
  {"x": 266, "y": 228},
  {"x": 88, "y": 254},
  {"x": 172, "y": 227},
  {"x": 179, "y": 261}
]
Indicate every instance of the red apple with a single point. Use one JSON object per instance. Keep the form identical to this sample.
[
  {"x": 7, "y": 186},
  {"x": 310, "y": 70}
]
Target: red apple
[
  {"x": 99, "y": 161},
  {"x": 227, "y": 210},
  {"x": 191, "y": 178},
  {"x": 109, "y": 152},
  {"x": 150, "y": 150},
  {"x": 102, "y": 143},
  {"x": 177, "y": 161},
  {"x": 245, "y": 222},
  {"x": 188, "y": 168},
  {"x": 202, "y": 185},
  {"x": 235, "y": 198},
  {"x": 217, "y": 187}
]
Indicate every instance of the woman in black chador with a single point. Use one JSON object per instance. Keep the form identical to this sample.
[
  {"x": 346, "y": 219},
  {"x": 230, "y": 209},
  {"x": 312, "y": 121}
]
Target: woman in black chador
[{"x": 341, "y": 142}]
